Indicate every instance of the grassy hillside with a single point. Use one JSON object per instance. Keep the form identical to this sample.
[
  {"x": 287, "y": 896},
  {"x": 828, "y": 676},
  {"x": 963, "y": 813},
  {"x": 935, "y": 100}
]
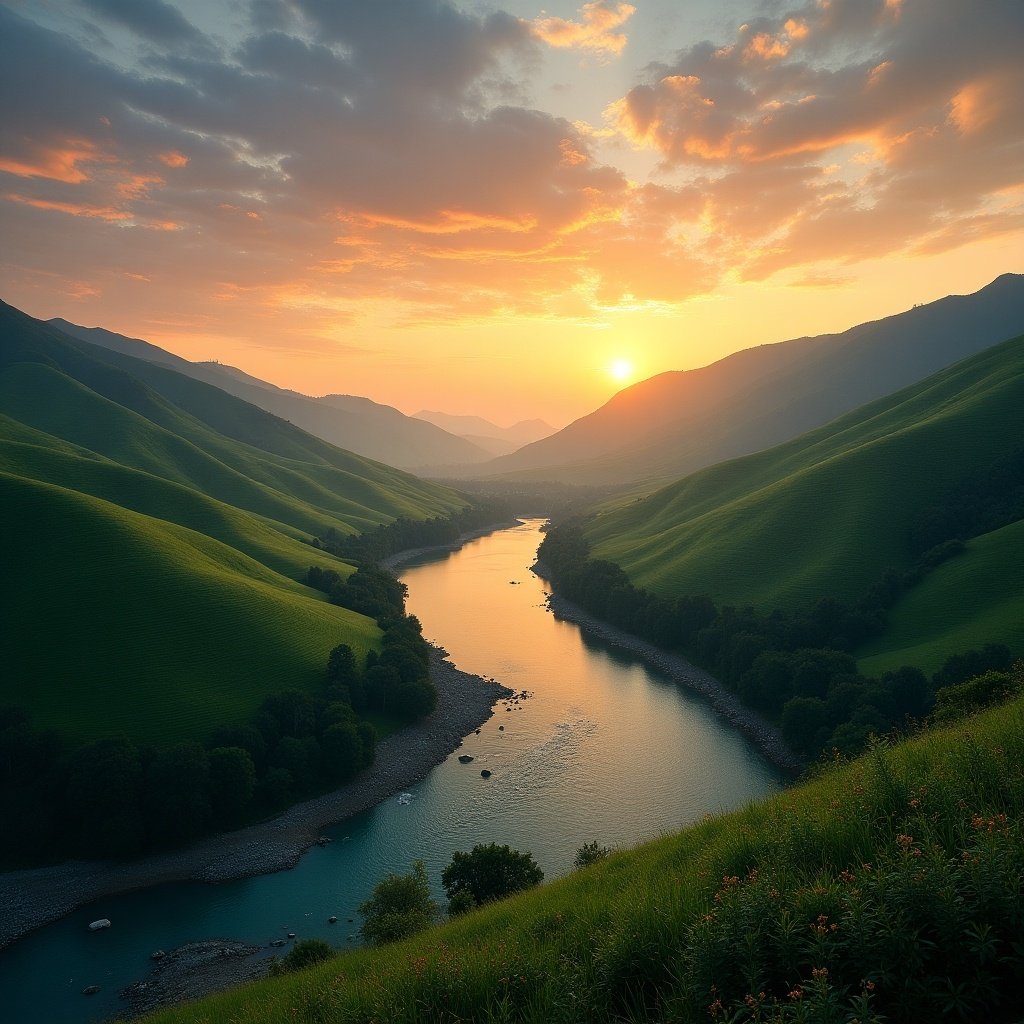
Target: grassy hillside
[
  {"x": 826, "y": 513},
  {"x": 123, "y": 623},
  {"x": 156, "y": 532},
  {"x": 889, "y": 889},
  {"x": 973, "y": 600}
]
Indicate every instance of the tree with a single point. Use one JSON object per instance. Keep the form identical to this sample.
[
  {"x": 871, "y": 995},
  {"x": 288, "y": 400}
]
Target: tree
[
  {"x": 176, "y": 794},
  {"x": 341, "y": 752},
  {"x": 232, "y": 782},
  {"x": 490, "y": 872},
  {"x": 805, "y": 723},
  {"x": 104, "y": 779},
  {"x": 400, "y": 906}
]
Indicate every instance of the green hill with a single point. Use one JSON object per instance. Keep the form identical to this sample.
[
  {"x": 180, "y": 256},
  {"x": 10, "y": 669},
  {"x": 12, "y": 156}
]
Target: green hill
[
  {"x": 156, "y": 530},
  {"x": 886, "y": 890},
  {"x": 973, "y": 600},
  {"x": 826, "y": 513},
  {"x": 124, "y": 623}
]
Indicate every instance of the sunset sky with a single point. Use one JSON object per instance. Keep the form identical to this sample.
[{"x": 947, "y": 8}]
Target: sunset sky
[{"x": 480, "y": 208}]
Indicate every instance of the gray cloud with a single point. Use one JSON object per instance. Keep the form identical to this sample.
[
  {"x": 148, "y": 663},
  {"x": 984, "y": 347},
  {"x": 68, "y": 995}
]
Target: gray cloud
[{"x": 154, "y": 20}]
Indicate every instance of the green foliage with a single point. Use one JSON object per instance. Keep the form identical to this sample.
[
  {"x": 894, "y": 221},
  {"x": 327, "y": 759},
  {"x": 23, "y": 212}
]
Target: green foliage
[
  {"x": 490, "y": 872},
  {"x": 962, "y": 699},
  {"x": 400, "y": 906},
  {"x": 590, "y": 853},
  {"x": 461, "y": 903},
  {"x": 176, "y": 794},
  {"x": 304, "y": 953},
  {"x": 232, "y": 783},
  {"x": 884, "y": 889},
  {"x": 342, "y": 752},
  {"x": 102, "y": 804}
]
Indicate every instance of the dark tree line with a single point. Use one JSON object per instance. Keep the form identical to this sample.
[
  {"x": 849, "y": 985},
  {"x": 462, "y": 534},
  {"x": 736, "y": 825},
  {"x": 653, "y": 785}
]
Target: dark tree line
[
  {"x": 796, "y": 668},
  {"x": 114, "y": 797},
  {"x": 984, "y": 501}
]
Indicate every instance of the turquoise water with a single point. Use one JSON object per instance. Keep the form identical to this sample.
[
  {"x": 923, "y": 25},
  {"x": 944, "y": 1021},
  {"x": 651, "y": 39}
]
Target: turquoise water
[{"x": 603, "y": 749}]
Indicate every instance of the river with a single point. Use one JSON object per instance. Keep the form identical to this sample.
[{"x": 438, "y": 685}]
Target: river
[{"x": 602, "y": 749}]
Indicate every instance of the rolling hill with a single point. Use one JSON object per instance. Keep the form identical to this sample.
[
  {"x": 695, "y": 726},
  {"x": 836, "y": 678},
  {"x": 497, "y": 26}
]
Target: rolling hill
[
  {"x": 827, "y": 513},
  {"x": 973, "y": 600},
  {"x": 156, "y": 531},
  {"x": 681, "y": 421},
  {"x": 357, "y": 424}
]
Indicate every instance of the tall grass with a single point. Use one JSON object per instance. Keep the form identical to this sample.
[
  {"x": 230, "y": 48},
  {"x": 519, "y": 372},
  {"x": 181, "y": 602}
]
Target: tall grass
[{"x": 886, "y": 889}]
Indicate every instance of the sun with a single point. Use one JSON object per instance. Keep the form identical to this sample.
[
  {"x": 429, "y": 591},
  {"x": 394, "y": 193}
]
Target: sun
[{"x": 620, "y": 369}]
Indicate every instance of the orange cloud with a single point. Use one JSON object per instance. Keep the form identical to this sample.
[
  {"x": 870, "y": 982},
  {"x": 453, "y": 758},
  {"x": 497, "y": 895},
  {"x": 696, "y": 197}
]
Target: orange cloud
[
  {"x": 74, "y": 209},
  {"x": 58, "y": 163},
  {"x": 596, "y": 29},
  {"x": 451, "y": 222},
  {"x": 172, "y": 158}
]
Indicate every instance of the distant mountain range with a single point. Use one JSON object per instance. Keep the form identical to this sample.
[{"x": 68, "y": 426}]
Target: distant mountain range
[
  {"x": 489, "y": 436},
  {"x": 680, "y": 421},
  {"x": 357, "y": 424}
]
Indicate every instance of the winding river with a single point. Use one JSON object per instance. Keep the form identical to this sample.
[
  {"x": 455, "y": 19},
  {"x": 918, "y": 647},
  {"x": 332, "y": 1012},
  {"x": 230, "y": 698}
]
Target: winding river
[{"x": 602, "y": 748}]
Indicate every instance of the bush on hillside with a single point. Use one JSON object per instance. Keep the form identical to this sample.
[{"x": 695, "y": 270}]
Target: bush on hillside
[
  {"x": 490, "y": 872},
  {"x": 400, "y": 906}
]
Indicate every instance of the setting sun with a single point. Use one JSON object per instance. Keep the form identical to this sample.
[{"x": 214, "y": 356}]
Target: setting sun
[{"x": 621, "y": 369}]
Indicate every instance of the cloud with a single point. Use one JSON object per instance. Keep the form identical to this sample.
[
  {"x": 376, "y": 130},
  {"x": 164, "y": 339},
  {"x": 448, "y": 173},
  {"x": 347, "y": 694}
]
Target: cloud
[
  {"x": 596, "y": 29},
  {"x": 342, "y": 162},
  {"x": 868, "y": 143},
  {"x": 154, "y": 20}
]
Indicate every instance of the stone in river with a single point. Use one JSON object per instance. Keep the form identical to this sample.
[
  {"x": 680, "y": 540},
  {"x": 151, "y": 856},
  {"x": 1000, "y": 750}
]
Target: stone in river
[
  {"x": 485, "y": 774},
  {"x": 465, "y": 758}
]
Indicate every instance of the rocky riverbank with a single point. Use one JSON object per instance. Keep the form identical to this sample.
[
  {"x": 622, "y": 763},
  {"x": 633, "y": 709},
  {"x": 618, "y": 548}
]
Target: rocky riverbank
[
  {"x": 194, "y": 970},
  {"x": 38, "y": 896},
  {"x": 762, "y": 733}
]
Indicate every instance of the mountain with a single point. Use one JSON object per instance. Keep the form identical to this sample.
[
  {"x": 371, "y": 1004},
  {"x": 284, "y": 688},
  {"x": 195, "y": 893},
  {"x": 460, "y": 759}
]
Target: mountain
[
  {"x": 523, "y": 432},
  {"x": 681, "y": 421},
  {"x": 156, "y": 530},
  {"x": 359, "y": 425},
  {"x": 826, "y": 514}
]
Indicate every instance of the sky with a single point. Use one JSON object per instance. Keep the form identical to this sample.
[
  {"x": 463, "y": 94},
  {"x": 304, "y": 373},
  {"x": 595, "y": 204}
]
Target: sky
[{"x": 484, "y": 208}]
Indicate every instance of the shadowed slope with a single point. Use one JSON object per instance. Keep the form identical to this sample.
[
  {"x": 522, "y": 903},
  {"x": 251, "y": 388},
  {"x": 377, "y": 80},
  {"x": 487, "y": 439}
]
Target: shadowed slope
[{"x": 827, "y": 513}]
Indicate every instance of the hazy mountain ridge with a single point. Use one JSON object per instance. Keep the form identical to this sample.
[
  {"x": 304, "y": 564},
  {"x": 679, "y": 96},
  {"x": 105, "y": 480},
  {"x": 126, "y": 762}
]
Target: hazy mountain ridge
[
  {"x": 680, "y": 421},
  {"x": 520, "y": 433},
  {"x": 176, "y": 518},
  {"x": 357, "y": 424}
]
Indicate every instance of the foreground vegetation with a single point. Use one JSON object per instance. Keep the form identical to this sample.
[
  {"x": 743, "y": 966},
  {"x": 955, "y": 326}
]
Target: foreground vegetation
[{"x": 888, "y": 888}]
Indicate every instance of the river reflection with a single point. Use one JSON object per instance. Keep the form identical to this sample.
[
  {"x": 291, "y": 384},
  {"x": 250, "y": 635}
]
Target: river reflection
[{"x": 603, "y": 749}]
